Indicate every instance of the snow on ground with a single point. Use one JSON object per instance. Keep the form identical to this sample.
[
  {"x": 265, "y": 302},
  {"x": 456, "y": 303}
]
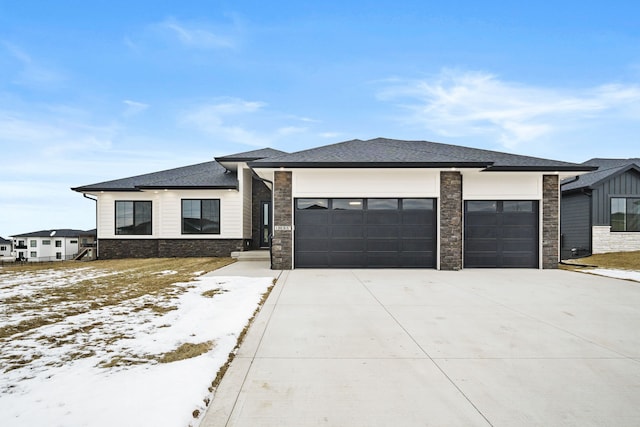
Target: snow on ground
[
  {"x": 617, "y": 274},
  {"x": 55, "y": 389}
]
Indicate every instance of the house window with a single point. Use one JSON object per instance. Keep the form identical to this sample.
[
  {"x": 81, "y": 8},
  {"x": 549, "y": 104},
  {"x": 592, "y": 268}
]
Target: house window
[
  {"x": 133, "y": 218},
  {"x": 33, "y": 243},
  {"x": 625, "y": 214},
  {"x": 3, "y": 248},
  {"x": 200, "y": 216},
  {"x": 46, "y": 242},
  {"x": 73, "y": 242},
  {"x": 58, "y": 243},
  {"x": 58, "y": 255},
  {"x": 33, "y": 254}
]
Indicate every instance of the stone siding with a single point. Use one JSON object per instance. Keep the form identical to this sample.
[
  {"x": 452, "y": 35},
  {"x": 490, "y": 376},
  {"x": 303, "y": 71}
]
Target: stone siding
[
  {"x": 282, "y": 244},
  {"x": 619, "y": 241},
  {"x": 450, "y": 221},
  {"x": 168, "y": 248},
  {"x": 550, "y": 221}
]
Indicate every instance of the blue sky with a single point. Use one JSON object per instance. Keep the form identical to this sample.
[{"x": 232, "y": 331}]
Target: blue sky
[{"x": 100, "y": 90}]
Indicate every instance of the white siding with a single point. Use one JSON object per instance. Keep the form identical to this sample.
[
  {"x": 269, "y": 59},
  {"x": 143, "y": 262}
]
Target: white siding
[
  {"x": 501, "y": 186},
  {"x": 366, "y": 183},
  {"x": 167, "y": 211},
  {"x": 245, "y": 188}
]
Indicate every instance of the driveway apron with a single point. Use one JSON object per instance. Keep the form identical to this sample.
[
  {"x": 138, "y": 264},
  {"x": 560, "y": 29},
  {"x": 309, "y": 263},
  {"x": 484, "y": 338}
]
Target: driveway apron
[{"x": 434, "y": 348}]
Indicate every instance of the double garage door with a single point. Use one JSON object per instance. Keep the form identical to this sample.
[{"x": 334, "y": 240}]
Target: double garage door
[
  {"x": 390, "y": 232},
  {"x": 363, "y": 232}
]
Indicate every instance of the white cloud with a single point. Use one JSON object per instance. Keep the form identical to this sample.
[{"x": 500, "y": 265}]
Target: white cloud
[
  {"x": 133, "y": 108},
  {"x": 196, "y": 36},
  {"x": 32, "y": 73},
  {"x": 240, "y": 121},
  {"x": 457, "y": 103}
]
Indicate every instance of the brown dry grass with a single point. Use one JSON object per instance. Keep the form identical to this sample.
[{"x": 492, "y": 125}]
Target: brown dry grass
[
  {"x": 122, "y": 280},
  {"x": 614, "y": 260}
]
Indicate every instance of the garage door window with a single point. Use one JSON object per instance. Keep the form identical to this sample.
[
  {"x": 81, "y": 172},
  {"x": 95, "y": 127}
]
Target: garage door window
[
  {"x": 312, "y": 204},
  {"x": 347, "y": 204},
  {"x": 517, "y": 206},
  {"x": 418, "y": 204},
  {"x": 482, "y": 206},
  {"x": 382, "y": 204}
]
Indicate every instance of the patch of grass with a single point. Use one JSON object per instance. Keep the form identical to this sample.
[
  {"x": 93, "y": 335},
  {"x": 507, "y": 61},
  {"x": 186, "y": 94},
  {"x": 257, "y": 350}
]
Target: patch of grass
[
  {"x": 615, "y": 260},
  {"x": 186, "y": 351},
  {"x": 212, "y": 292}
]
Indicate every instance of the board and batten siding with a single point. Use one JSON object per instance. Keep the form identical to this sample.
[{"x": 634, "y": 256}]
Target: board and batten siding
[
  {"x": 623, "y": 185},
  {"x": 167, "y": 213},
  {"x": 575, "y": 225}
]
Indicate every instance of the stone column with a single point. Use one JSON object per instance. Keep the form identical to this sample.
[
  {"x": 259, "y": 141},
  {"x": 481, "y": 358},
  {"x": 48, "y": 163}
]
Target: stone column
[
  {"x": 282, "y": 243},
  {"x": 550, "y": 221},
  {"x": 450, "y": 221}
]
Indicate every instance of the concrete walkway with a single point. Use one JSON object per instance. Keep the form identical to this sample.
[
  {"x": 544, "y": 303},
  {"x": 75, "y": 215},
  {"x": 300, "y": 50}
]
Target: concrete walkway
[{"x": 431, "y": 348}]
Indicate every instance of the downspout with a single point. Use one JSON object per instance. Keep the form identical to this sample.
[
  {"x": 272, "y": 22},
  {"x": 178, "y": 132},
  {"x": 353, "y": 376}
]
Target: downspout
[
  {"x": 254, "y": 174},
  {"x": 97, "y": 241}
]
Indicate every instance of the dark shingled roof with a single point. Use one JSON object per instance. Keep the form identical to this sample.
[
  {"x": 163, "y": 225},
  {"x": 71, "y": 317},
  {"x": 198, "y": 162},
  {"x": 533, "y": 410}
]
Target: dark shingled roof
[
  {"x": 382, "y": 152},
  {"x": 210, "y": 175},
  {"x": 64, "y": 232},
  {"x": 251, "y": 155},
  {"x": 607, "y": 169},
  {"x": 4, "y": 241}
]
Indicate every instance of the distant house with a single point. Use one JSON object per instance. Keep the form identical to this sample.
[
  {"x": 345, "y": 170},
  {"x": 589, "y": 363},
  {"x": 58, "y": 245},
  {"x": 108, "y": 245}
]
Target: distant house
[
  {"x": 355, "y": 204},
  {"x": 600, "y": 210},
  {"x": 6, "y": 246},
  {"x": 53, "y": 245}
]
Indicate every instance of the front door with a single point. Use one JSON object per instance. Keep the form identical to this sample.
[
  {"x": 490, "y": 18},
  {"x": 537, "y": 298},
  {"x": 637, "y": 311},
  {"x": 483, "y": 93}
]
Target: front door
[{"x": 265, "y": 223}]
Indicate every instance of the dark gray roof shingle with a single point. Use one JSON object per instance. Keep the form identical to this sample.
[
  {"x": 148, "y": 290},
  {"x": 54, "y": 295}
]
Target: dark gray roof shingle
[
  {"x": 607, "y": 169},
  {"x": 64, "y": 232},
  {"x": 382, "y": 152},
  {"x": 262, "y": 153},
  {"x": 202, "y": 175}
]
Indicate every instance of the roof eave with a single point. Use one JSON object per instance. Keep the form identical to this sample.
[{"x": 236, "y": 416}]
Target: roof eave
[
  {"x": 367, "y": 165},
  {"x": 539, "y": 169}
]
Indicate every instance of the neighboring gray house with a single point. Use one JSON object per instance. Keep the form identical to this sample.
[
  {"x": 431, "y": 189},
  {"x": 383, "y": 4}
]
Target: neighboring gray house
[
  {"x": 6, "y": 246},
  {"x": 376, "y": 203},
  {"x": 600, "y": 210}
]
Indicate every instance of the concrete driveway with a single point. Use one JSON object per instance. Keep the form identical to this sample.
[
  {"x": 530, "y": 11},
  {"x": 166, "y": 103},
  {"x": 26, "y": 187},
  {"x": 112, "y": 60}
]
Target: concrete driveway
[{"x": 431, "y": 348}]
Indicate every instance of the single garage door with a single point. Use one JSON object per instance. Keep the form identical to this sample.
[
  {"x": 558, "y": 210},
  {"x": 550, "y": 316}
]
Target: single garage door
[
  {"x": 501, "y": 233},
  {"x": 359, "y": 232}
]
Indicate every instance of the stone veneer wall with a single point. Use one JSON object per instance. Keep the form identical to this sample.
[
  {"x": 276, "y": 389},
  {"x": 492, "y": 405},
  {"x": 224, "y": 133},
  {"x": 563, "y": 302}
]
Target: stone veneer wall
[
  {"x": 167, "y": 248},
  {"x": 603, "y": 240},
  {"x": 282, "y": 243},
  {"x": 550, "y": 221},
  {"x": 450, "y": 221},
  {"x": 259, "y": 193}
]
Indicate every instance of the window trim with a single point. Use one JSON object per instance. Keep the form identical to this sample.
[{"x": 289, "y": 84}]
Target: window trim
[
  {"x": 626, "y": 213},
  {"x": 199, "y": 233},
  {"x": 115, "y": 222}
]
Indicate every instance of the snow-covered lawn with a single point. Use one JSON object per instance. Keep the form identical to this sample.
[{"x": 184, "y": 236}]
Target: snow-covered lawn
[{"x": 144, "y": 361}]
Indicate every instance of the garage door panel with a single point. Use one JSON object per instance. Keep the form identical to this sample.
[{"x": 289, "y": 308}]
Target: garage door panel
[
  {"x": 416, "y": 245},
  {"x": 386, "y": 245},
  {"x": 349, "y": 245},
  {"x": 340, "y": 231},
  {"x": 313, "y": 217},
  {"x": 355, "y": 235},
  {"x": 382, "y": 218},
  {"x": 518, "y": 219},
  {"x": 313, "y": 245},
  {"x": 426, "y": 217},
  {"x": 482, "y": 245},
  {"x": 389, "y": 231},
  {"x": 482, "y": 219},
  {"x": 346, "y": 218},
  {"x": 482, "y": 232},
  {"x": 311, "y": 232},
  {"x": 523, "y": 232}
]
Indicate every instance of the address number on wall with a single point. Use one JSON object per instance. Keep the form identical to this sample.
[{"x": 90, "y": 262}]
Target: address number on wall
[{"x": 282, "y": 227}]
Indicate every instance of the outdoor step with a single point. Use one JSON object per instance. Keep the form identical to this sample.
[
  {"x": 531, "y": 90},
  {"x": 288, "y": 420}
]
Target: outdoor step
[{"x": 262, "y": 255}]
